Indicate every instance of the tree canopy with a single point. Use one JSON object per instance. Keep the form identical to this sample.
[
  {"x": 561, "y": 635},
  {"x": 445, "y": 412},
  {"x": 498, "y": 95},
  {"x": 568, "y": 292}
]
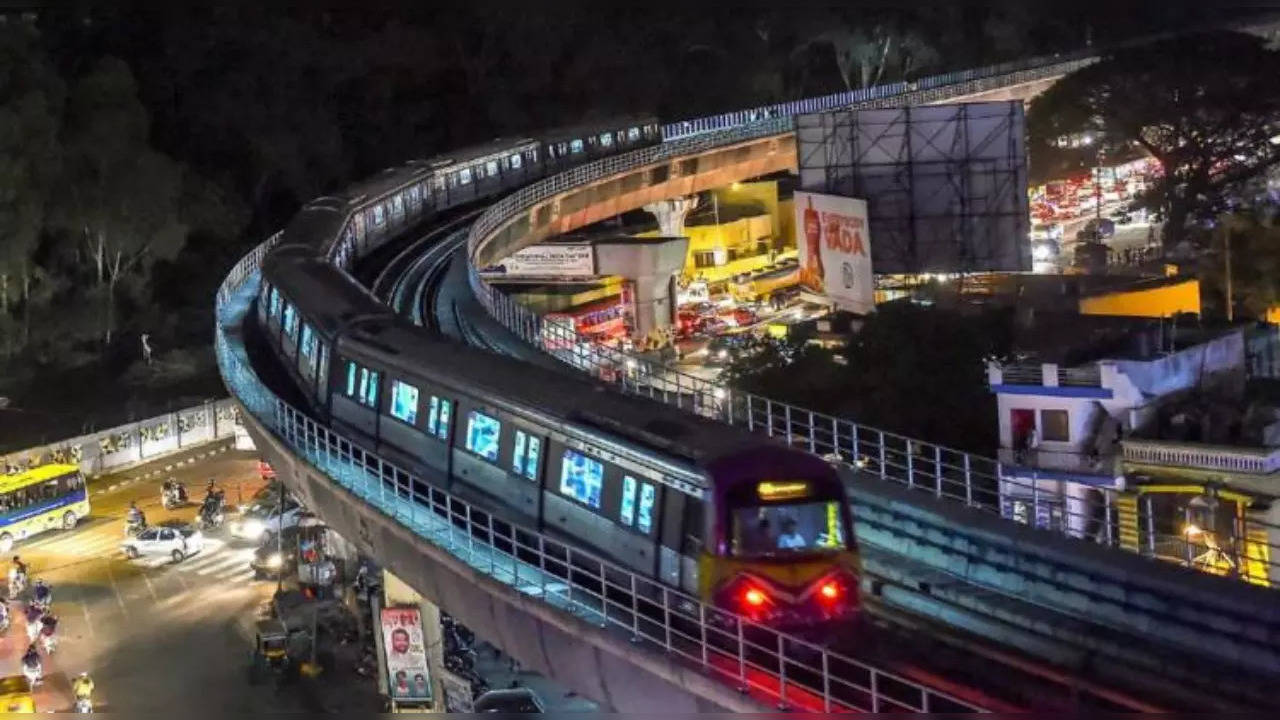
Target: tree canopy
[{"x": 1205, "y": 106}]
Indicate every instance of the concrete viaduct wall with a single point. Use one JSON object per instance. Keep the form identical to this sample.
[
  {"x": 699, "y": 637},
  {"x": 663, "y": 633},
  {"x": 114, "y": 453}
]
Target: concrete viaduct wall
[{"x": 599, "y": 664}]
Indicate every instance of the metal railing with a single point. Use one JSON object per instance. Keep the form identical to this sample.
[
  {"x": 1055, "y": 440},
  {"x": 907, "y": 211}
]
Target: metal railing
[{"x": 785, "y": 669}]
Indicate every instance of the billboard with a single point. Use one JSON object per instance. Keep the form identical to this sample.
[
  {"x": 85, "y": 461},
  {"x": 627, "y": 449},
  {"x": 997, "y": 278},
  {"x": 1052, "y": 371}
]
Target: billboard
[
  {"x": 945, "y": 185},
  {"x": 550, "y": 261},
  {"x": 835, "y": 249},
  {"x": 408, "y": 679}
]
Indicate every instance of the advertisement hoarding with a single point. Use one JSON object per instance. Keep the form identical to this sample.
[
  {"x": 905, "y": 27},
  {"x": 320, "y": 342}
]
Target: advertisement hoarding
[
  {"x": 408, "y": 679},
  {"x": 550, "y": 261},
  {"x": 835, "y": 249}
]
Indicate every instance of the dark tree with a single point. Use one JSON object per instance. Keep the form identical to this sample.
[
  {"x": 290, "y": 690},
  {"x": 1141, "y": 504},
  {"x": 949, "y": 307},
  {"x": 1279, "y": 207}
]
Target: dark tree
[{"x": 1204, "y": 106}]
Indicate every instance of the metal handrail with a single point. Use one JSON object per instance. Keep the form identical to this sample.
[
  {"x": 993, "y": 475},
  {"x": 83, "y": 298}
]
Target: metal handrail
[{"x": 786, "y": 669}]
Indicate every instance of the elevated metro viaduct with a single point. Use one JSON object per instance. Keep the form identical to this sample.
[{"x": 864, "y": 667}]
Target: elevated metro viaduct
[{"x": 926, "y": 557}]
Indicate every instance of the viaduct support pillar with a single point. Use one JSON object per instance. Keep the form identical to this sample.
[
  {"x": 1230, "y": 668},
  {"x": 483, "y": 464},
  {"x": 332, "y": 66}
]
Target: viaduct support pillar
[
  {"x": 397, "y": 593},
  {"x": 671, "y": 214},
  {"x": 650, "y": 265}
]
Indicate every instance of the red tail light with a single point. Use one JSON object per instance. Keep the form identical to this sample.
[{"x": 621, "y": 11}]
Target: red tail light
[
  {"x": 830, "y": 591},
  {"x": 754, "y": 597}
]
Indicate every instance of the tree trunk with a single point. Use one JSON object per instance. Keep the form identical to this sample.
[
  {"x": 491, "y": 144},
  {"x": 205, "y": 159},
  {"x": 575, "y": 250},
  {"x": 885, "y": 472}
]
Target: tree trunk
[
  {"x": 113, "y": 273},
  {"x": 1175, "y": 225},
  {"x": 26, "y": 305}
]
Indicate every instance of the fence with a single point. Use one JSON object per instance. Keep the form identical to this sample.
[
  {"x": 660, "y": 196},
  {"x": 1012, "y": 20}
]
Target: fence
[
  {"x": 133, "y": 443},
  {"x": 788, "y": 670}
]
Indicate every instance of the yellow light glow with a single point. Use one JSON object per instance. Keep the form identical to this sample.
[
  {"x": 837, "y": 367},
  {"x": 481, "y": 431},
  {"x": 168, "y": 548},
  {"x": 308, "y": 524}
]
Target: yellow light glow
[{"x": 769, "y": 490}]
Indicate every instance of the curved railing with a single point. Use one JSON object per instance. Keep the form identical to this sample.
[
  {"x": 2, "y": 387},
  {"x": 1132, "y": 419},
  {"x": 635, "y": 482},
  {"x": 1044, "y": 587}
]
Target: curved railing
[
  {"x": 782, "y": 669},
  {"x": 977, "y": 481}
]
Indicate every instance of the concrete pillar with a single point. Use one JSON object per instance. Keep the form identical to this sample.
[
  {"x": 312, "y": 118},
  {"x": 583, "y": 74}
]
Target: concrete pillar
[
  {"x": 650, "y": 264},
  {"x": 671, "y": 214},
  {"x": 396, "y": 592}
]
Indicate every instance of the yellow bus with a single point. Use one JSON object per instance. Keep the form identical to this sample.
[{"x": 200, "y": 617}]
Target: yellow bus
[
  {"x": 15, "y": 695},
  {"x": 39, "y": 499}
]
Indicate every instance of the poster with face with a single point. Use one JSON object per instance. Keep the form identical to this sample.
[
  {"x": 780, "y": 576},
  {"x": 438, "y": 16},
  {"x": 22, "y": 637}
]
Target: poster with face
[
  {"x": 835, "y": 250},
  {"x": 408, "y": 678}
]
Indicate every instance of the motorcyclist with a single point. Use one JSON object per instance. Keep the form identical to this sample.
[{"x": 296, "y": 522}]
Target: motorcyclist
[
  {"x": 41, "y": 593},
  {"x": 31, "y": 664},
  {"x": 34, "y": 614},
  {"x": 17, "y": 576},
  {"x": 82, "y": 687},
  {"x": 48, "y": 632},
  {"x": 4, "y": 615},
  {"x": 136, "y": 518}
]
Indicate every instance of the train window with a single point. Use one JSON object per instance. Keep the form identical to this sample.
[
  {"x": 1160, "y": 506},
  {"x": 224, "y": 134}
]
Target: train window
[
  {"x": 438, "y": 183},
  {"x": 533, "y": 155},
  {"x": 627, "y": 513},
  {"x": 564, "y": 149},
  {"x": 514, "y": 161},
  {"x": 290, "y": 320},
  {"x": 362, "y": 384},
  {"x": 633, "y": 134},
  {"x": 482, "y": 435},
  {"x": 491, "y": 167},
  {"x": 524, "y": 459},
  {"x": 275, "y": 303},
  {"x": 438, "y": 418},
  {"x": 551, "y": 150},
  {"x": 404, "y": 402},
  {"x": 606, "y": 139},
  {"x": 581, "y": 478},
  {"x": 308, "y": 345},
  {"x": 378, "y": 216},
  {"x": 575, "y": 146},
  {"x": 397, "y": 204},
  {"x": 803, "y": 526},
  {"x": 648, "y": 496},
  {"x": 464, "y": 176},
  {"x": 414, "y": 193}
]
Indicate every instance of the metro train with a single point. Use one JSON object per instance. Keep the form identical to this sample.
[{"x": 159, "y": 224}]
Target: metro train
[{"x": 746, "y": 524}]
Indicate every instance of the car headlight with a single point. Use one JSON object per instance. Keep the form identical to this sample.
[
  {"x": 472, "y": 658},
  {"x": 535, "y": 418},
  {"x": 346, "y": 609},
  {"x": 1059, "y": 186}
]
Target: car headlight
[
  {"x": 723, "y": 354},
  {"x": 275, "y": 561},
  {"x": 1040, "y": 253},
  {"x": 252, "y": 527}
]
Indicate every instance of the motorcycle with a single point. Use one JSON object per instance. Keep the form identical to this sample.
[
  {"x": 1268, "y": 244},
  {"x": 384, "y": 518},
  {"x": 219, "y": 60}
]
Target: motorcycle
[
  {"x": 173, "y": 496},
  {"x": 211, "y": 513},
  {"x": 33, "y": 672},
  {"x": 134, "y": 526},
  {"x": 49, "y": 643},
  {"x": 17, "y": 582},
  {"x": 84, "y": 705}
]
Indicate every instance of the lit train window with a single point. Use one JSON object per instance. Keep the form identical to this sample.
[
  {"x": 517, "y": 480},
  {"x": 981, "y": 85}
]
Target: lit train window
[
  {"x": 404, "y": 402},
  {"x": 275, "y": 303},
  {"x": 648, "y": 494},
  {"x": 397, "y": 204},
  {"x": 627, "y": 513},
  {"x": 524, "y": 459},
  {"x": 581, "y": 478},
  {"x": 491, "y": 167},
  {"x": 378, "y": 217},
  {"x": 414, "y": 193},
  {"x": 575, "y": 146},
  {"x": 464, "y": 176},
  {"x": 482, "y": 435},
  {"x": 438, "y": 183},
  {"x": 438, "y": 418},
  {"x": 606, "y": 139},
  {"x": 633, "y": 134},
  {"x": 308, "y": 345},
  {"x": 290, "y": 320},
  {"x": 362, "y": 384},
  {"x": 533, "y": 155},
  {"x": 514, "y": 161}
]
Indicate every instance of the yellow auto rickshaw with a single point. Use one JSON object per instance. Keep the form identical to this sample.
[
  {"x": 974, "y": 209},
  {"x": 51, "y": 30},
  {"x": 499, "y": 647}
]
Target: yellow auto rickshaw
[
  {"x": 15, "y": 695},
  {"x": 270, "y": 649}
]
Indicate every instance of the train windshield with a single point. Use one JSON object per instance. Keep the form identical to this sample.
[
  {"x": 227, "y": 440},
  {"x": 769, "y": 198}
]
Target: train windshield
[{"x": 791, "y": 528}]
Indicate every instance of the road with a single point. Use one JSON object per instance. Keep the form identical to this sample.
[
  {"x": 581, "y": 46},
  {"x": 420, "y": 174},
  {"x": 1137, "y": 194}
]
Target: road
[{"x": 155, "y": 636}]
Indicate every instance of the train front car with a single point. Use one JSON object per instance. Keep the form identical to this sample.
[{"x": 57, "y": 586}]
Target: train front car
[{"x": 783, "y": 551}]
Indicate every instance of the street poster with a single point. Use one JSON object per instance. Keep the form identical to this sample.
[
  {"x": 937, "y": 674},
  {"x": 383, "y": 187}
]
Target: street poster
[{"x": 408, "y": 678}]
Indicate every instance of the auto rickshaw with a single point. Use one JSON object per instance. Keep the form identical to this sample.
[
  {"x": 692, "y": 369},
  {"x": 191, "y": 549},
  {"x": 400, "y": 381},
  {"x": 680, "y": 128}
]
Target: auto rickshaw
[
  {"x": 270, "y": 649},
  {"x": 15, "y": 695}
]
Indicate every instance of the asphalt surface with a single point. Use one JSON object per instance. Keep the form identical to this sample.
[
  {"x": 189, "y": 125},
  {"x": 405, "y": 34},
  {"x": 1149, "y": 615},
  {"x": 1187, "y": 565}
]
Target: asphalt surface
[{"x": 155, "y": 635}]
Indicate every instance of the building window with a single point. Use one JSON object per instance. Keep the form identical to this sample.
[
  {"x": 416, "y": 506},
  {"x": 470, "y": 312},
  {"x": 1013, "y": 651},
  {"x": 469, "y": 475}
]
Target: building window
[
  {"x": 581, "y": 478},
  {"x": 482, "y": 435},
  {"x": 627, "y": 513},
  {"x": 704, "y": 259},
  {"x": 438, "y": 418},
  {"x": 1053, "y": 426},
  {"x": 524, "y": 459},
  {"x": 404, "y": 402},
  {"x": 362, "y": 384},
  {"x": 648, "y": 495}
]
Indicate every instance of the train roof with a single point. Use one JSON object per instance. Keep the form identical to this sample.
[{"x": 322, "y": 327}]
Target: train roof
[
  {"x": 319, "y": 222},
  {"x": 384, "y": 182},
  {"x": 509, "y": 383},
  {"x": 303, "y": 277},
  {"x": 584, "y": 129}
]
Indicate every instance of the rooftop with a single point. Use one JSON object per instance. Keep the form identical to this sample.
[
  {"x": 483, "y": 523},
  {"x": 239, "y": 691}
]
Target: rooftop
[{"x": 1069, "y": 339}]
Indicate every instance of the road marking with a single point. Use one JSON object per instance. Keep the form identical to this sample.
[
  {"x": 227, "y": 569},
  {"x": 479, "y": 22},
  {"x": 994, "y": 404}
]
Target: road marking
[
  {"x": 115, "y": 588},
  {"x": 150, "y": 587}
]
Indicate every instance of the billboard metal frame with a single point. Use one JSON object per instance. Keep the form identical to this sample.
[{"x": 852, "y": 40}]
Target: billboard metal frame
[{"x": 945, "y": 184}]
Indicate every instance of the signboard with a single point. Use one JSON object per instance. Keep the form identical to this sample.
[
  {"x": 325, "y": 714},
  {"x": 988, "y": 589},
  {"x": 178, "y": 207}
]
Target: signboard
[
  {"x": 835, "y": 249},
  {"x": 550, "y": 261},
  {"x": 408, "y": 679},
  {"x": 457, "y": 694}
]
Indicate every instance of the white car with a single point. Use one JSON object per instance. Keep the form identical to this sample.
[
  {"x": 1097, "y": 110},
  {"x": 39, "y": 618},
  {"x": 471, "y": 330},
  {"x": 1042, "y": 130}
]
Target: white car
[
  {"x": 263, "y": 516},
  {"x": 174, "y": 541}
]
